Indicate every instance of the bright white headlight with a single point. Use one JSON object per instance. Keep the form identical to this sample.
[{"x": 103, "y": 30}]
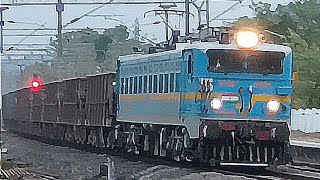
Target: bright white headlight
[
  {"x": 216, "y": 103},
  {"x": 247, "y": 39},
  {"x": 273, "y": 105}
]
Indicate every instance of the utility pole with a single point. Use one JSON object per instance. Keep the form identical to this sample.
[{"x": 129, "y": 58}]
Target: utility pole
[
  {"x": 187, "y": 8},
  {"x": 166, "y": 16},
  {"x": 1, "y": 118},
  {"x": 59, "y": 9},
  {"x": 1, "y": 25},
  {"x": 1, "y": 31},
  {"x": 207, "y": 13}
]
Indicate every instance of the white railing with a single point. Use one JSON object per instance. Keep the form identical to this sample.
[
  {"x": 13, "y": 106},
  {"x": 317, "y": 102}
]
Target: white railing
[{"x": 306, "y": 120}]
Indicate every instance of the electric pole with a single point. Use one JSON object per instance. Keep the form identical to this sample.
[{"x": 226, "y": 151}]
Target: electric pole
[
  {"x": 1, "y": 34},
  {"x": 1, "y": 31},
  {"x": 207, "y": 13},
  {"x": 1, "y": 25},
  {"x": 59, "y": 9},
  {"x": 187, "y": 8}
]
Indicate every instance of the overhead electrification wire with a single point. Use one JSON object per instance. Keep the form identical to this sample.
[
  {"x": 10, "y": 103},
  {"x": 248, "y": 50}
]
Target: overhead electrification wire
[
  {"x": 227, "y": 10},
  {"x": 131, "y": 2},
  {"x": 24, "y": 38},
  {"x": 86, "y": 14}
]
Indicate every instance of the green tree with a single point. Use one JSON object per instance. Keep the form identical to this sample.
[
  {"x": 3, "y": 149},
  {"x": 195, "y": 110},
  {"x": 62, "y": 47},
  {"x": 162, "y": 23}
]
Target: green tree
[
  {"x": 87, "y": 52},
  {"x": 301, "y": 25},
  {"x": 101, "y": 46}
]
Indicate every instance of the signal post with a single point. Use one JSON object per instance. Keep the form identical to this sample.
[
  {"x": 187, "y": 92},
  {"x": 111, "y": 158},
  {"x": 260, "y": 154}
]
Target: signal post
[{"x": 1, "y": 49}]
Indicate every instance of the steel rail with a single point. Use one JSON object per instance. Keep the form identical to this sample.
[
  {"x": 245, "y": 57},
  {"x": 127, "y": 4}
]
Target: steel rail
[
  {"x": 312, "y": 165},
  {"x": 292, "y": 173}
]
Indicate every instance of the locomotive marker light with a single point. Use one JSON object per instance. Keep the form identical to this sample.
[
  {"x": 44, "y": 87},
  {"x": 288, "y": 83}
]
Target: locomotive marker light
[
  {"x": 247, "y": 39},
  {"x": 216, "y": 103},
  {"x": 273, "y": 105}
]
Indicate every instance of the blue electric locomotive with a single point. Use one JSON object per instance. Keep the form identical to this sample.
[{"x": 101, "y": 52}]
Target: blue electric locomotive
[{"x": 222, "y": 103}]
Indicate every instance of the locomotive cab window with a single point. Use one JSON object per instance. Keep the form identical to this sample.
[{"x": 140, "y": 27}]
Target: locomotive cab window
[{"x": 255, "y": 62}]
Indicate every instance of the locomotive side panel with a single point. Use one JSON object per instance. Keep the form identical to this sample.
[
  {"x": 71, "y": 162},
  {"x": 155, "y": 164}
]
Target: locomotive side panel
[{"x": 149, "y": 90}]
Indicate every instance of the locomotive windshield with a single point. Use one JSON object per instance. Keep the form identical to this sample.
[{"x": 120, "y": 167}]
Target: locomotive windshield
[{"x": 235, "y": 61}]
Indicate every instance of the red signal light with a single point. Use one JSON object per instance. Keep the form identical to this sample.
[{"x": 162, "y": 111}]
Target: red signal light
[{"x": 36, "y": 84}]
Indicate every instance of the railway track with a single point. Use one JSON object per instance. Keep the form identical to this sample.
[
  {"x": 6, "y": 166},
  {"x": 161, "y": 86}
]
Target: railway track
[
  {"x": 275, "y": 172},
  {"x": 26, "y": 174},
  {"x": 295, "y": 170}
]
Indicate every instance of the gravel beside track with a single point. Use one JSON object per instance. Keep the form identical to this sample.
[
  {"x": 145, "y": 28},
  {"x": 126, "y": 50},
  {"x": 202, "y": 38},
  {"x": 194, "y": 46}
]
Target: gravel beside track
[
  {"x": 305, "y": 154},
  {"x": 67, "y": 163}
]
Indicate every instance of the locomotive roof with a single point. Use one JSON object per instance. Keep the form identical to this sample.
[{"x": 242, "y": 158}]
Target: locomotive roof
[{"x": 204, "y": 46}]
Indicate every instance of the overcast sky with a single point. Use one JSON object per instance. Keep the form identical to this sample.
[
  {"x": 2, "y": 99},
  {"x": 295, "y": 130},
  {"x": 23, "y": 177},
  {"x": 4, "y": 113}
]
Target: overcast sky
[{"x": 47, "y": 16}]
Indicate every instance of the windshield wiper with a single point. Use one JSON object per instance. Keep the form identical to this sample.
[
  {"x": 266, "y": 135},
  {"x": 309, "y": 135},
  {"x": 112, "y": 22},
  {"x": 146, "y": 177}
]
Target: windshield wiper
[{"x": 265, "y": 72}]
